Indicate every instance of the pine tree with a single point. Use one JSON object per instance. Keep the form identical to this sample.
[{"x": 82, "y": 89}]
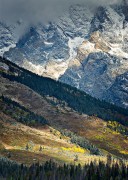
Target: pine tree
[
  {"x": 40, "y": 149},
  {"x": 109, "y": 159},
  {"x": 27, "y": 147}
]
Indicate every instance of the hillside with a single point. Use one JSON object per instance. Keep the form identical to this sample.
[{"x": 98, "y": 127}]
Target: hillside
[
  {"x": 74, "y": 98},
  {"x": 52, "y": 101},
  {"x": 28, "y": 145},
  {"x": 27, "y": 135}
]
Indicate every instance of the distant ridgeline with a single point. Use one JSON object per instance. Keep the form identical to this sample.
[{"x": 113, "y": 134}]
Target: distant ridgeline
[{"x": 76, "y": 99}]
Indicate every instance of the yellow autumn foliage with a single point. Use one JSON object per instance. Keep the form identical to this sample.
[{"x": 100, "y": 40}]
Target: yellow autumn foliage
[
  {"x": 124, "y": 152},
  {"x": 116, "y": 133},
  {"x": 74, "y": 149}
]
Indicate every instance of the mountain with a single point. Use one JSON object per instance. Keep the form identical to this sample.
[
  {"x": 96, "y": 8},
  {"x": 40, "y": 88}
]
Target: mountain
[
  {"x": 57, "y": 112},
  {"x": 83, "y": 48},
  {"x": 64, "y": 92}
]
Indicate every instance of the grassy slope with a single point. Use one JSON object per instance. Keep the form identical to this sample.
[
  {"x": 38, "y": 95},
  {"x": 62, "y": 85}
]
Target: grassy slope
[
  {"x": 15, "y": 136},
  {"x": 93, "y": 128}
]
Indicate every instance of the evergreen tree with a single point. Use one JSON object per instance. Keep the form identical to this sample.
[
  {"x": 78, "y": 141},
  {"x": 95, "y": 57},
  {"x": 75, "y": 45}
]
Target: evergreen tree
[
  {"x": 40, "y": 149},
  {"x": 27, "y": 147}
]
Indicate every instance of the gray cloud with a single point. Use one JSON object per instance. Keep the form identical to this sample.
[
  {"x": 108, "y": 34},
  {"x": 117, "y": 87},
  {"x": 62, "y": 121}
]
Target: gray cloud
[
  {"x": 35, "y": 11},
  {"x": 42, "y": 9}
]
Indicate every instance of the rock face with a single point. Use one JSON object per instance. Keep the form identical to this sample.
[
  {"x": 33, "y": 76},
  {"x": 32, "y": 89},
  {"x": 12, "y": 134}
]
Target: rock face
[
  {"x": 7, "y": 40},
  {"x": 84, "y": 49},
  {"x": 102, "y": 59}
]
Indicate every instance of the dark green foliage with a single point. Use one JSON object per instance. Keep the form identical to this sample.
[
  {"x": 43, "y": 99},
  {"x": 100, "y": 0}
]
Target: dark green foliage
[
  {"x": 27, "y": 147},
  {"x": 52, "y": 171},
  {"x": 20, "y": 113},
  {"x": 75, "y": 98},
  {"x": 109, "y": 159},
  {"x": 81, "y": 141},
  {"x": 40, "y": 149},
  {"x": 117, "y": 127}
]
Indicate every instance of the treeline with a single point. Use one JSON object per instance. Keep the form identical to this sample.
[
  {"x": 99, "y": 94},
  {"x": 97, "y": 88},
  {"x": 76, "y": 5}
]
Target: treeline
[
  {"x": 20, "y": 113},
  {"x": 23, "y": 115},
  {"x": 113, "y": 125},
  {"x": 81, "y": 141},
  {"x": 75, "y": 98},
  {"x": 51, "y": 171}
]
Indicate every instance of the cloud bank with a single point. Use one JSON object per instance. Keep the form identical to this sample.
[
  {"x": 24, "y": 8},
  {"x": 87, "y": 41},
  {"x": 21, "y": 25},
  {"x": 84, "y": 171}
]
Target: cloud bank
[
  {"x": 39, "y": 10},
  {"x": 32, "y": 12}
]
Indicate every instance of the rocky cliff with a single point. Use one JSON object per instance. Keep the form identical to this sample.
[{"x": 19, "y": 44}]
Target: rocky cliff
[{"x": 86, "y": 49}]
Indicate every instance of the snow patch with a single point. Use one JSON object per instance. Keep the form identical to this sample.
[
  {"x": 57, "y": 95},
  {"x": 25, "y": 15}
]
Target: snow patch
[
  {"x": 48, "y": 43},
  {"x": 37, "y": 69},
  {"x": 73, "y": 45},
  {"x": 88, "y": 46},
  {"x": 117, "y": 51},
  {"x": 6, "y": 49}
]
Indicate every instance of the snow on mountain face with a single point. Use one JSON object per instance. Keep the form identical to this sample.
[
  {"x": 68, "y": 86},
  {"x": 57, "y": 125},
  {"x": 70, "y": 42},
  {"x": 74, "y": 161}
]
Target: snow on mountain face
[
  {"x": 118, "y": 92},
  {"x": 84, "y": 49},
  {"x": 6, "y": 39},
  {"x": 102, "y": 59},
  {"x": 47, "y": 49}
]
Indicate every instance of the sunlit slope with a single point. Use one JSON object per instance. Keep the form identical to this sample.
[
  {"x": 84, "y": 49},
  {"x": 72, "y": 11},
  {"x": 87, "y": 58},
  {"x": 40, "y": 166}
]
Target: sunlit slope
[
  {"x": 26, "y": 144},
  {"x": 61, "y": 116}
]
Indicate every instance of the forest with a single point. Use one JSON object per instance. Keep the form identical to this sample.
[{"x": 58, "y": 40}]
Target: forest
[
  {"x": 51, "y": 171},
  {"x": 76, "y": 99},
  {"x": 20, "y": 113}
]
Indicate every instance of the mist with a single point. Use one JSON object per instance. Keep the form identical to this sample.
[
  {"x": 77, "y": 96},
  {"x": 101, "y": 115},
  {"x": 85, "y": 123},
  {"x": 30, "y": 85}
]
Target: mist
[{"x": 31, "y": 12}]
